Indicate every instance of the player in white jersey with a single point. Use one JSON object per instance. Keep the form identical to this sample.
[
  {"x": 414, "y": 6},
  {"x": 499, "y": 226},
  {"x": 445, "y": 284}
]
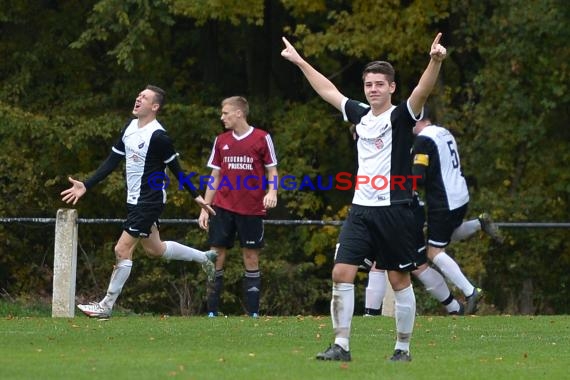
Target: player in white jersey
[
  {"x": 380, "y": 223},
  {"x": 147, "y": 150},
  {"x": 432, "y": 280},
  {"x": 437, "y": 162},
  {"x": 428, "y": 148}
]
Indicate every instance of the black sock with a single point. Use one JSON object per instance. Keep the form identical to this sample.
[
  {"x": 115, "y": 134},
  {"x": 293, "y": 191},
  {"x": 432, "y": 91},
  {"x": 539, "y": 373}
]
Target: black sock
[
  {"x": 372, "y": 311},
  {"x": 214, "y": 292},
  {"x": 252, "y": 288},
  {"x": 448, "y": 300}
]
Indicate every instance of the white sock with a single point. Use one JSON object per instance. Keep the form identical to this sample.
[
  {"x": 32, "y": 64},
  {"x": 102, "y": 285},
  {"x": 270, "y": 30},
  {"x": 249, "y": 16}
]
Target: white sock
[
  {"x": 452, "y": 272},
  {"x": 375, "y": 291},
  {"x": 121, "y": 273},
  {"x": 435, "y": 284},
  {"x": 177, "y": 251},
  {"x": 405, "y": 317},
  {"x": 453, "y": 306},
  {"x": 466, "y": 229},
  {"x": 342, "y": 309}
]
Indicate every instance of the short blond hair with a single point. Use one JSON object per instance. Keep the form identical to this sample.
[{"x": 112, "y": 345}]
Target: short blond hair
[{"x": 239, "y": 102}]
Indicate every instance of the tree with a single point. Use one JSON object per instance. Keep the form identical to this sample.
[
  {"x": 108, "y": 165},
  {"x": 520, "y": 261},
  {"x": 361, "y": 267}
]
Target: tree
[
  {"x": 513, "y": 113},
  {"x": 503, "y": 91}
]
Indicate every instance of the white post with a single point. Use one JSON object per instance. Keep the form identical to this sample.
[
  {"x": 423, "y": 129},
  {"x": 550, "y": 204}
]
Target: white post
[
  {"x": 389, "y": 302},
  {"x": 64, "y": 264}
]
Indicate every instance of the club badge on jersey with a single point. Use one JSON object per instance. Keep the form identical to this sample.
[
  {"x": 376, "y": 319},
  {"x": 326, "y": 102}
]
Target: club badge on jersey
[{"x": 379, "y": 143}]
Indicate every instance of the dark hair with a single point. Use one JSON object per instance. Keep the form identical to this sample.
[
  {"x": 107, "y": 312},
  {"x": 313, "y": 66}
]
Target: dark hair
[
  {"x": 380, "y": 67},
  {"x": 159, "y": 95}
]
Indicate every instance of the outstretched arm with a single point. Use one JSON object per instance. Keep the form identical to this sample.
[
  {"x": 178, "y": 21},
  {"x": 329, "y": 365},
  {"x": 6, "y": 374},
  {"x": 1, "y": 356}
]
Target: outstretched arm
[
  {"x": 79, "y": 188},
  {"x": 75, "y": 192},
  {"x": 428, "y": 79},
  {"x": 324, "y": 87}
]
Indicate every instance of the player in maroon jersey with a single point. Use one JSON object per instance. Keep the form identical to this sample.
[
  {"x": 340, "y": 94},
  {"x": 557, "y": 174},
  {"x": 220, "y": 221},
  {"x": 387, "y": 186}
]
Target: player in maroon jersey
[{"x": 243, "y": 186}]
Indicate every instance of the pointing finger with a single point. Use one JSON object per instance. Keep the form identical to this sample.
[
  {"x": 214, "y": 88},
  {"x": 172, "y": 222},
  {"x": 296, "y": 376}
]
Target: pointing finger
[{"x": 436, "y": 40}]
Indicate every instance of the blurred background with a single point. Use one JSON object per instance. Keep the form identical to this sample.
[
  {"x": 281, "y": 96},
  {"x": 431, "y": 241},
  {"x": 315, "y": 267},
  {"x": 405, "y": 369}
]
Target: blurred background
[{"x": 70, "y": 72}]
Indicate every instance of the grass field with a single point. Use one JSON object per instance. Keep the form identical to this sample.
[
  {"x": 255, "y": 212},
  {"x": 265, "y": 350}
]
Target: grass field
[{"x": 147, "y": 347}]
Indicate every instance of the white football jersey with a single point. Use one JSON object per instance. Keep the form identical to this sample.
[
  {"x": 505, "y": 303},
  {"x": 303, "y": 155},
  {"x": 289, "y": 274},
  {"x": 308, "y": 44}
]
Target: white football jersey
[
  {"x": 384, "y": 153},
  {"x": 435, "y": 148}
]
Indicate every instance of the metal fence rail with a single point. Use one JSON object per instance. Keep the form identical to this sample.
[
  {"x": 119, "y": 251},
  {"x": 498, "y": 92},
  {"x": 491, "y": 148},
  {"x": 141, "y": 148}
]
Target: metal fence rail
[
  {"x": 65, "y": 250},
  {"x": 295, "y": 222}
]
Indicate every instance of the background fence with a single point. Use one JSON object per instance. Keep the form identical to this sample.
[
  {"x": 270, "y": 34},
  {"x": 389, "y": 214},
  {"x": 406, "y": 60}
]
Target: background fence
[
  {"x": 292, "y": 222},
  {"x": 65, "y": 249}
]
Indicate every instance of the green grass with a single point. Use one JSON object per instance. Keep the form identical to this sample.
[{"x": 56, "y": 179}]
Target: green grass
[
  {"x": 28, "y": 306},
  {"x": 135, "y": 347}
]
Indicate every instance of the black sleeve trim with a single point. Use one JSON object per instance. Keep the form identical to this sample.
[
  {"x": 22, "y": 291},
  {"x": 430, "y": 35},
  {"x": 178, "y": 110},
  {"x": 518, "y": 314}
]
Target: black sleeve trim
[{"x": 355, "y": 110}]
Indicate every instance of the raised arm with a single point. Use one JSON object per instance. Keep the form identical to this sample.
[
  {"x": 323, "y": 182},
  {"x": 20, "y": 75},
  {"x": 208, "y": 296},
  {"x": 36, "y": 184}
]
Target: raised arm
[
  {"x": 321, "y": 84},
  {"x": 429, "y": 78}
]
